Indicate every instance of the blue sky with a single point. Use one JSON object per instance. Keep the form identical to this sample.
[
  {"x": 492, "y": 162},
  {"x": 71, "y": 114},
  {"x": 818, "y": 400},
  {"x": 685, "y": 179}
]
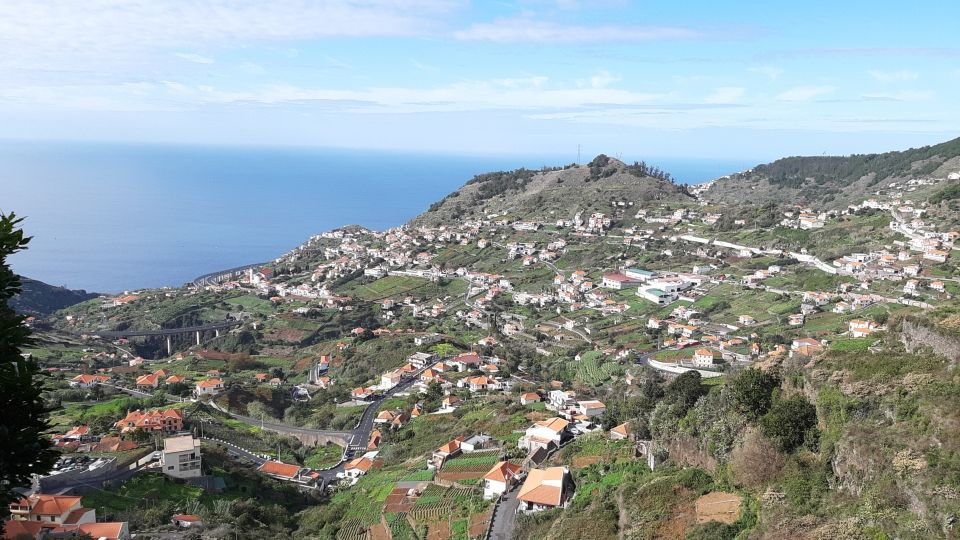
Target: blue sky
[{"x": 669, "y": 79}]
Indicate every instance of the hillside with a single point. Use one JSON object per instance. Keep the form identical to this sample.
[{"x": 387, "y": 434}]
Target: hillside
[
  {"x": 799, "y": 382},
  {"x": 39, "y": 298},
  {"x": 835, "y": 181},
  {"x": 531, "y": 195}
]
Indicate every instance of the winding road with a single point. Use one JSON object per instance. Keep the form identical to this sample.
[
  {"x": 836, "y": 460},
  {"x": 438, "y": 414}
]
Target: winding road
[{"x": 356, "y": 439}]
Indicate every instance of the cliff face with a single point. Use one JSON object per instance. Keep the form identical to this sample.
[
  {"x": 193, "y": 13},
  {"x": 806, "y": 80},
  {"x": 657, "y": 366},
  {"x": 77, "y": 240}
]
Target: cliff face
[
  {"x": 916, "y": 335},
  {"x": 887, "y": 422}
]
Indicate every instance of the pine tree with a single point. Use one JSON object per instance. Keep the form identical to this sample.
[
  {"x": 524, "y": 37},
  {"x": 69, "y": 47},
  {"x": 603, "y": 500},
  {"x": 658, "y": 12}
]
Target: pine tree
[{"x": 24, "y": 450}]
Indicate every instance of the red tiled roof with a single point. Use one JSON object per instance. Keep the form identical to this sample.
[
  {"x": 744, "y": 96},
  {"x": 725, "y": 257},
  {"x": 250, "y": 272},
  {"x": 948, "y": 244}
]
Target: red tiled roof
[{"x": 280, "y": 469}]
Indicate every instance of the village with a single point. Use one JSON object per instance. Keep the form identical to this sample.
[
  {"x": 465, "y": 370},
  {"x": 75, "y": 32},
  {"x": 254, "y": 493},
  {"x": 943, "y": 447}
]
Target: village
[{"x": 604, "y": 298}]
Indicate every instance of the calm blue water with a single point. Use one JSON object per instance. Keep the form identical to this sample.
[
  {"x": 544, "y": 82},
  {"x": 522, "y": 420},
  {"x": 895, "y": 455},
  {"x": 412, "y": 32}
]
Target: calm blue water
[{"x": 113, "y": 217}]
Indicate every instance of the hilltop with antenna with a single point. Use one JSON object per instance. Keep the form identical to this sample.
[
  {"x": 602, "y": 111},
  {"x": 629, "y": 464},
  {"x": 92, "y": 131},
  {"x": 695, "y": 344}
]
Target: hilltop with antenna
[{"x": 552, "y": 193}]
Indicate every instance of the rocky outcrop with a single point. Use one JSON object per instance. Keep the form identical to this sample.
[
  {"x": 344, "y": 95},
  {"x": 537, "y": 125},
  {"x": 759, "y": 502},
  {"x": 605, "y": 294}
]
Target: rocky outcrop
[
  {"x": 915, "y": 335},
  {"x": 683, "y": 449}
]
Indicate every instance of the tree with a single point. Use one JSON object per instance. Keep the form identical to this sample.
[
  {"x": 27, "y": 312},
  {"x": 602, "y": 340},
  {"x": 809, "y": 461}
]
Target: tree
[
  {"x": 752, "y": 392},
  {"x": 686, "y": 389},
  {"x": 24, "y": 451},
  {"x": 788, "y": 422}
]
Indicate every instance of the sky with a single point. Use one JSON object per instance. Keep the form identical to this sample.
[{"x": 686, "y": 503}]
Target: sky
[{"x": 704, "y": 79}]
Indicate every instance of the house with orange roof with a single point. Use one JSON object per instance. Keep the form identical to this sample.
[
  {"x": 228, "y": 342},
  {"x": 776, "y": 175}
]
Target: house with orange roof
[
  {"x": 385, "y": 417},
  {"x": 416, "y": 411},
  {"x": 52, "y": 510},
  {"x": 450, "y": 403},
  {"x": 375, "y": 439},
  {"x": 621, "y": 432},
  {"x": 357, "y": 467},
  {"x": 114, "y": 444},
  {"x": 150, "y": 380},
  {"x": 499, "y": 479},
  {"x": 545, "y": 434},
  {"x": 209, "y": 387},
  {"x": 175, "y": 379},
  {"x": 361, "y": 393},
  {"x": 480, "y": 383},
  {"x": 400, "y": 420},
  {"x": 445, "y": 452},
  {"x": 16, "y": 528},
  {"x": 529, "y": 397},
  {"x": 115, "y": 530},
  {"x": 545, "y": 489},
  {"x": 261, "y": 377},
  {"x": 167, "y": 421},
  {"x": 77, "y": 434},
  {"x": 303, "y": 476}
]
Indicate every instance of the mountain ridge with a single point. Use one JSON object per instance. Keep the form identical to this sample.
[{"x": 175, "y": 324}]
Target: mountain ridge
[
  {"x": 39, "y": 298},
  {"x": 832, "y": 181}
]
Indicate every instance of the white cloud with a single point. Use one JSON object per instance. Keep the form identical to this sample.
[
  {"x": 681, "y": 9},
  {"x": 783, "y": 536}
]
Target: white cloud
[
  {"x": 725, "y": 95},
  {"x": 252, "y": 68},
  {"x": 65, "y": 34},
  {"x": 528, "y": 30},
  {"x": 906, "y": 95},
  {"x": 804, "y": 93},
  {"x": 771, "y": 72},
  {"x": 601, "y": 79},
  {"x": 532, "y": 93},
  {"x": 195, "y": 58},
  {"x": 894, "y": 76}
]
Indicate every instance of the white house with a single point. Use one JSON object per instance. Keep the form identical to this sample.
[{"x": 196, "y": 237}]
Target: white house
[
  {"x": 499, "y": 479},
  {"x": 704, "y": 358},
  {"x": 862, "y": 328},
  {"x": 591, "y": 408},
  {"x": 545, "y": 433},
  {"x": 209, "y": 387}
]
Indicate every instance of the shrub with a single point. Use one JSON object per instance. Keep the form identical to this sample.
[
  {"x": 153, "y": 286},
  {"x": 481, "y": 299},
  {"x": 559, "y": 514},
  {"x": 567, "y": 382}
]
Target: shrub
[{"x": 752, "y": 391}]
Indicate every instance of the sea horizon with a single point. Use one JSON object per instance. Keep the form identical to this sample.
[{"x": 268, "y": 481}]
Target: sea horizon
[{"x": 145, "y": 215}]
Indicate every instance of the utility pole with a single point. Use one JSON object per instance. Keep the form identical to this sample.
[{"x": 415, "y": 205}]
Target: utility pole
[{"x": 578, "y": 154}]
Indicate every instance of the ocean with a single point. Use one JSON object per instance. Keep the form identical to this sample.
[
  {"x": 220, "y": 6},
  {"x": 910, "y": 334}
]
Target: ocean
[{"x": 110, "y": 217}]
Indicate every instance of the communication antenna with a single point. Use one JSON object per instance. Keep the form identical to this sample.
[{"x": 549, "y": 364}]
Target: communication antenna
[{"x": 578, "y": 154}]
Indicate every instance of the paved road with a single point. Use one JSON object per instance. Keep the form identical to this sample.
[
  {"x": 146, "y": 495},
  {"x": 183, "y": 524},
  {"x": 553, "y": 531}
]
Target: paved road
[
  {"x": 131, "y": 391},
  {"x": 357, "y": 438},
  {"x": 505, "y": 516},
  {"x": 238, "y": 452}
]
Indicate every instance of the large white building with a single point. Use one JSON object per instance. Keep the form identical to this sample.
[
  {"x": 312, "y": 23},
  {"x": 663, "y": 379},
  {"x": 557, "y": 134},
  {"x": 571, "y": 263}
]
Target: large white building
[{"x": 181, "y": 457}]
